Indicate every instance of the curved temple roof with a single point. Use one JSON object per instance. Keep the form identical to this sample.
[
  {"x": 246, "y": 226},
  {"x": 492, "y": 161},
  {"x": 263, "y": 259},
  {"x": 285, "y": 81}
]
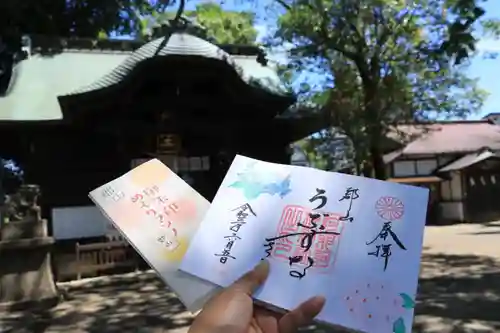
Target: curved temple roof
[
  {"x": 184, "y": 44},
  {"x": 40, "y": 79}
]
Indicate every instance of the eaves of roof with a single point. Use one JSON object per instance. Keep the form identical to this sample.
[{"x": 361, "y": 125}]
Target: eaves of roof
[{"x": 49, "y": 74}]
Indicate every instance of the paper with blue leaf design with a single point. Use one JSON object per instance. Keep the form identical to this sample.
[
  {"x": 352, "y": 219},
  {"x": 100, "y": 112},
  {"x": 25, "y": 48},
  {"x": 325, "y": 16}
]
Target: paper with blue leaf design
[{"x": 357, "y": 241}]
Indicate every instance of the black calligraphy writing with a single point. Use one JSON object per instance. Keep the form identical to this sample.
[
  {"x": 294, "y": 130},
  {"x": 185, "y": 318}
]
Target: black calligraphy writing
[
  {"x": 306, "y": 234},
  {"x": 384, "y": 250},
  {"x": 242, "y": 213},
  {"x": 350, "y": 194},
  {"x": 307, "y": 237},
  {"x": 297, "y": 259},
  {"x": 320, "y": 195},
  {"x": 268, "y": 248}
]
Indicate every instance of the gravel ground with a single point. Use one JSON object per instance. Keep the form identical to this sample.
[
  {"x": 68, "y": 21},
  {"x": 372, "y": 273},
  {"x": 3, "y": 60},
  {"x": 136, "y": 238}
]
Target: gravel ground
[{"x": 459, "y": 292}]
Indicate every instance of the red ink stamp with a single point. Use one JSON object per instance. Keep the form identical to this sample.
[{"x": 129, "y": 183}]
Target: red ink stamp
[
  {"x": 390, "y": 208},
  {"x": 324, "y": 248}
]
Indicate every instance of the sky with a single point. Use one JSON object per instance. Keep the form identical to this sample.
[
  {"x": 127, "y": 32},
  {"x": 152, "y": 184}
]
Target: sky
[{"x": 487, "y": 71}]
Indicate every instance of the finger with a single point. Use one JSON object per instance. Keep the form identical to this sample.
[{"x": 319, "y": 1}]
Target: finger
[
  {"x": 266, "y": 319},
  {"x": 302, "y": 315},
  {"x": 249, "y": 282}
]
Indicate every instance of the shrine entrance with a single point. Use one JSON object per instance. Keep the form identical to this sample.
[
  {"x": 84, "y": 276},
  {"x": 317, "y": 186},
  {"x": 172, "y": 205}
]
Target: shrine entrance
[{"x": 194, "y": 170}]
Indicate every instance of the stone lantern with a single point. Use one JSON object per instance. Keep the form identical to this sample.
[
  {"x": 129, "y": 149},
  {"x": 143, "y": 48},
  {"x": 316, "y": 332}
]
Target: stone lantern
[{"x": 25, "y": 270}]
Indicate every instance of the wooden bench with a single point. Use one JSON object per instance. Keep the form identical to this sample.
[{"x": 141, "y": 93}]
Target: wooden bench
[{"x": 96, "y": 257}]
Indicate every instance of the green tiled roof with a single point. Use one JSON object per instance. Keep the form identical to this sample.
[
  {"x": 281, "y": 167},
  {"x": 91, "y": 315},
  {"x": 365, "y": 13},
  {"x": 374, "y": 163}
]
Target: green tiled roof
[{"x": 39, "y": 80}]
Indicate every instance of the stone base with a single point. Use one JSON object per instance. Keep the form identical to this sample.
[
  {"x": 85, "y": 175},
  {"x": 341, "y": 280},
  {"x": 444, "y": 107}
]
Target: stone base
[
  {"x": 25, "y": 271},
  {"x": 23, "y": 230}
]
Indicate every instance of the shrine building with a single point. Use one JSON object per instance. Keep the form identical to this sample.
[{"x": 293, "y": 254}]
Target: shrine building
[{"x": 77, "y": 113}]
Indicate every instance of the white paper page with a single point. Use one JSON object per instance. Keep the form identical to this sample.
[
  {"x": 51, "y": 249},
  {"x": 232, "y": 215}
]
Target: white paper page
[
  {"x": 363, "y": 255},
  {"x": 158, "y": 213}
]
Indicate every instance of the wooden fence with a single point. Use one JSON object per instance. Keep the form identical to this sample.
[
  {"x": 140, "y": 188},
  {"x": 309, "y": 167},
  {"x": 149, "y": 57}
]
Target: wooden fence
[{"x": 95, "y": 258}]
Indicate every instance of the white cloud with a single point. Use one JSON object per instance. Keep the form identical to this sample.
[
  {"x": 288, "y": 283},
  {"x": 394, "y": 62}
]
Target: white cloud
[
  {"x": 261, "y": 31},
  {"x": 280, "y": 53},
  {"x": 276, "y": 54},
  {"x": 488, "y": 45}
]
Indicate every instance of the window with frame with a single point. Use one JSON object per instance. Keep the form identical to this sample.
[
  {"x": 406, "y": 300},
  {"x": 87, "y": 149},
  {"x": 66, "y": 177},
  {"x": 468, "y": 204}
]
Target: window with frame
[
  {"x": 404, "y": 168},
  {"x": 179, "y": 163},
  {"x": 426, "y": 167}
]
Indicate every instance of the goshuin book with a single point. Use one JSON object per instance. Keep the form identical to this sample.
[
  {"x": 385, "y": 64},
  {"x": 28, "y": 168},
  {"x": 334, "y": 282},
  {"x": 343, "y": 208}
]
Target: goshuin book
[
  {"x": 158, "y": 213},
  {"x": 356, "y": 241}
]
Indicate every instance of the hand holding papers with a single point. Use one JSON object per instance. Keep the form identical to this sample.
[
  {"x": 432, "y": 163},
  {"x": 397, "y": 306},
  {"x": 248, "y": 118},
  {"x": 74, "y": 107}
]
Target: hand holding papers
[{"x": 354, "y": 240}]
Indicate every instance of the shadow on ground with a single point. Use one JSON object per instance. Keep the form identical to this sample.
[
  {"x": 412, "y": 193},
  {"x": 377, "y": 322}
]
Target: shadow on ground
[
  {"x": 128, "y": 303},
  {"x": 490, "y": 228},
  {"x": 457, "y": 294}
]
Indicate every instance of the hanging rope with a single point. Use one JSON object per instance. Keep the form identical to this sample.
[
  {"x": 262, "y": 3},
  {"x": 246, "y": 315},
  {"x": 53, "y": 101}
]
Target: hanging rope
[{"x": 174, "y": 26}]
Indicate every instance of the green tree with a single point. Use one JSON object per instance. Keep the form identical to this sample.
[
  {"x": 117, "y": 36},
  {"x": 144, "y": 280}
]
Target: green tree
[
  {"x": 460, "y": 41},
  {"x": 93, "y": 18},
  {"x": 225, "y": 27},
  {"x": 81, "y": 18},
  {"x": 381, "y": 63},
  {"x": 329, "y": 150},
  {"x": 208, "y": 20}
]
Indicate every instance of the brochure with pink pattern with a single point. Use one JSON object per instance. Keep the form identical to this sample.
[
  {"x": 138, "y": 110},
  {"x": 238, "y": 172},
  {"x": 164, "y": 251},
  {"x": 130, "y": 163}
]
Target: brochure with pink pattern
[{"x": 158, "y": 213}]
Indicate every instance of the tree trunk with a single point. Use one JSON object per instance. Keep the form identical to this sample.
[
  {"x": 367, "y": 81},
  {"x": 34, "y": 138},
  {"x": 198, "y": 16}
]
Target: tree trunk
[
  {"x": 366, "y": 170},
  {"x": 377, "y": 163},
  {"x": 372, "y": 107},
  {"x": 357, "y": 167},
  {"x": 376, "y": 157}
]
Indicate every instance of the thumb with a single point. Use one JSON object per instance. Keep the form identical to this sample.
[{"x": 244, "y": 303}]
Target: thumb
[{"x": 252, "y": 280}]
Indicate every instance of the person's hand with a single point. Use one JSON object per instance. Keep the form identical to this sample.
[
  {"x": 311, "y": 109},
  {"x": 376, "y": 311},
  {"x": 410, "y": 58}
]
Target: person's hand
[{"x": 233, "y": 310}]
